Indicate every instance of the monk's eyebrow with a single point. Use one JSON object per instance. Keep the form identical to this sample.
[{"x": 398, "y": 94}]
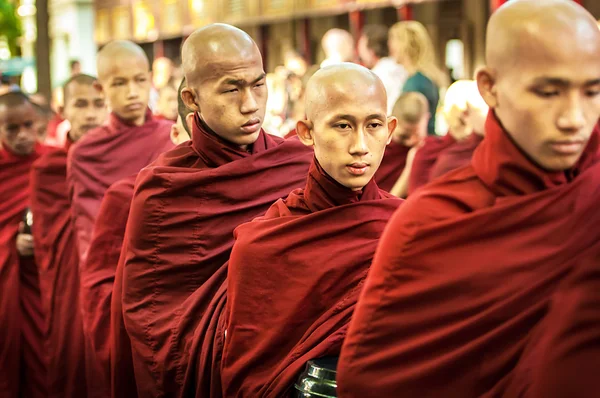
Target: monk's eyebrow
[
  {"x": 377, "y": 116},
  {"x": 343, "y": 117},
  {"x": 555, "y": 81},
  {"x": 242, "y": 82}
]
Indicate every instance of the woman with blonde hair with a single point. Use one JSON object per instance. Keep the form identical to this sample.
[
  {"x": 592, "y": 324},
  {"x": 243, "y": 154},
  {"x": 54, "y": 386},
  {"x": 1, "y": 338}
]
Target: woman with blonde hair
[{"x": 411, "y": 46}]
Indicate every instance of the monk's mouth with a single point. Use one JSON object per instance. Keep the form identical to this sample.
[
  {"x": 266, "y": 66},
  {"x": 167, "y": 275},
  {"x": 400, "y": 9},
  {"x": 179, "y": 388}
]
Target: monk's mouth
[
  {"x": 357, "y": 169},
  {"x": 251, "y": 126},
  {"x": 567, "y": 148}
]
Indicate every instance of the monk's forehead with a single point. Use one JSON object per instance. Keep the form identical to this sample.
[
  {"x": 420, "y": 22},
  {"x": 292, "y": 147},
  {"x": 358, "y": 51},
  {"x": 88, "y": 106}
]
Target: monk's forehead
[
  {"x": 231, "y": 66},
  {"x": 122, "y": 65},
  {"x": 8, "y": 112}
]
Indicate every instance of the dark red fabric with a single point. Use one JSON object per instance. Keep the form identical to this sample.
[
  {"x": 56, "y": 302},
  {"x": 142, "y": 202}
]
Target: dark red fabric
[
  {"x": 464, "y": 272},
  {"x": 104, "y": 156},
  {"x": 392, "y": 165},
  {"x": 22, "y": 355},
  {"x": 456, "y": 156},
  {"x": 294, "y": 278},
  {"x": 425, "y": 159},
  {"x": 52, "y": 127},
  {"x": 58, "y": 265},
  {"x": 291, "y": 134},
  {"x": 563, "y": 356},
  {"x": 180, "y": 232},
  {"x": 97, "y": 279}
]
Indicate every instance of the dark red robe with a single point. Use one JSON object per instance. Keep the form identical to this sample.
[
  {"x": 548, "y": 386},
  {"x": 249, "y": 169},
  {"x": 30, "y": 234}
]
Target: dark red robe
[
  {"x": 294, "y": 278},
  {"x": 425, "y": 159},
  {"x": 104, "y": 156},
  {"x": 22, "y": 354},
  {"x": 465, "y": 271},
  {"x": 392, "y": 165},
  {"x": 58, "y": 265},
  {"x": 563, "y": 356},
  {"x": 456, "y": 156},
  {"x": 180, "y": 233},
  {"x": 97, "y": 279}
]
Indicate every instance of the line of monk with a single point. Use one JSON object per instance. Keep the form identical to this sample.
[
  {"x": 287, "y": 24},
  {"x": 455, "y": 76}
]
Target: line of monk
[{"x": 208, "y": 258}]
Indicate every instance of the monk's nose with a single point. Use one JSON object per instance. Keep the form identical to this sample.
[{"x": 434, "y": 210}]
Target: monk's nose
[{"x": 573, "y": 117}]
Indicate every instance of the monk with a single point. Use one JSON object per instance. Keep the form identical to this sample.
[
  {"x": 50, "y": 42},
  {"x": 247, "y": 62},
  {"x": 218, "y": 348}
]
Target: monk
[
  {"x": 459, "y": 154},
  {"x": 167, "y": 103},
  {"x": 276, "y": 271},
  {"x": 467, "y": 267},
  {"x": 187, "y": 204},
  {"x": 412, "y": 112},
  {"x": 98, "y": 270},
  {"x": 55, "y": 251},
  {"x": 131, "y": 139},
  {"x": 455, "y": 111},
  {"x": 22, "y": 355}
]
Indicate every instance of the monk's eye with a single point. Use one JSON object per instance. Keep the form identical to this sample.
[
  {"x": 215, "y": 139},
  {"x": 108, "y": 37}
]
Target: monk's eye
[
  {"x": 233, "y": 90},
  {"x": 117, "y": 83},
  {"x": 259, "y": 85},
  {"x": 342, "y": 126},
  {"x": 28, "y": 124},
  {"x": 375, "y": 125},
  {"x": 141, "y": 79},
  {"x": 593, "y": 92},
  {"x": 546, "y": 93}
]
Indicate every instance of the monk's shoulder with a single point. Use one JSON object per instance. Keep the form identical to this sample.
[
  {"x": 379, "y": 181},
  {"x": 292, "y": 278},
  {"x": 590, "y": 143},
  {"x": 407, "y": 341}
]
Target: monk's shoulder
[
  {"x": 88, "y": 143},
  {"x": 456, "y": 193},
  {"x": 122, "y": 190}
]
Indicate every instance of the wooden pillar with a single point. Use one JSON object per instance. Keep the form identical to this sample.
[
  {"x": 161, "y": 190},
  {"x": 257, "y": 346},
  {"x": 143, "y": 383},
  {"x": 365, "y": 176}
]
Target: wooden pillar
[
  {"x": 42, "y": 49},
  {"x": 405, "y": 12},
  {"x": 264, "y": 44},
  {"x": 159, "y": 48},
  {"x": 303, "y": 39}
]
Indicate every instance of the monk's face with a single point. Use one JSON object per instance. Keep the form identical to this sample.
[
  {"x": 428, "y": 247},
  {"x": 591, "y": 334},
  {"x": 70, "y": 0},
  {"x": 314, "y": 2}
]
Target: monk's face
[
  {"x": 350, "y": 131},
  {"x": 126, "y": 85},
  {"x": 411, "y": 134},
  {"x": 232, "y": 97},
  {"x": 85, "y": 109},
  {"x": 547, "y": 98},
  {"x": 18, "y": 128}
]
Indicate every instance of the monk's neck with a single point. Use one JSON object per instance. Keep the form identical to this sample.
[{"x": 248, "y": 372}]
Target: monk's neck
[{"x": 140, "y": 121}]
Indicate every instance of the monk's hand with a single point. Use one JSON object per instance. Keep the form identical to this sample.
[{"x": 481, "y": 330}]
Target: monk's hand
[{"x": 24, "y": 243}]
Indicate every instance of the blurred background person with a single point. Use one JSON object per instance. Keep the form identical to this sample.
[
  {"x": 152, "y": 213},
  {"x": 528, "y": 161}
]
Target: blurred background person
[
  {"x": 166, "y": 107},
  {"x": 373, "y": 53},
  {"x": 411, "y": 46},
  {"x": 338, "y": 45}
]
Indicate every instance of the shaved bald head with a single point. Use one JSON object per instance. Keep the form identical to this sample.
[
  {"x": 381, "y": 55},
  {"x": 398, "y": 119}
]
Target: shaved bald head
[
  {"x": 412, "y": 111},
  {"x": 542, "y": 78},
  {"x": 212, "y": 45},
  {"x": 338, "y": 45},
  {"x": 346, "y": 107},
  {"x": 340, "y": 82},
  {"x": 118, "y": 50},
  {"x": 225, "y": 82}
]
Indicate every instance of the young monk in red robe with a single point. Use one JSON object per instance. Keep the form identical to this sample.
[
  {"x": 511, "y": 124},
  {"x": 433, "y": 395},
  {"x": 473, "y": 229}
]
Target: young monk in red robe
[
  {"x": 22, "y": 354},
  {"x": 131, "y": 139},
  {"x": 467, "y": 267},
  {"x": 55, "y": 251},
  {"x": 412, "y": 111},
  {"x": 98, "y": 270},
  {"x": 275, "y": 324},
  {"x": 459, "y": 154},
  {"x": 187, "y": 204}
]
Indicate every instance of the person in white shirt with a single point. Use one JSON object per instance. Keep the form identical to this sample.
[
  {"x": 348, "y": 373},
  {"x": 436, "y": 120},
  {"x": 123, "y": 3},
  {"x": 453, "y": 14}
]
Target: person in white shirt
[{"x": 373, "y": 53}]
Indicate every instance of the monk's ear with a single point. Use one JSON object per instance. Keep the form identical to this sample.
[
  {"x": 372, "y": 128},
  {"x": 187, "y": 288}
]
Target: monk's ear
[
  {"x": 189, "y": 98},
  {"x": 486, "y": 83},
  {"x": 392, "y": 123},
  {"x": 304, "y": 129},
  {"x": 189, "y": 121}
]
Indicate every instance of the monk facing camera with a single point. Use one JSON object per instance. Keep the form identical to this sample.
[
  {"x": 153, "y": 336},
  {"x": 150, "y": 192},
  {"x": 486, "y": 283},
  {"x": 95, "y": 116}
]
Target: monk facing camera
[
  {"x": 457, "y": 300},
  {"x": 310, "y": 253}
]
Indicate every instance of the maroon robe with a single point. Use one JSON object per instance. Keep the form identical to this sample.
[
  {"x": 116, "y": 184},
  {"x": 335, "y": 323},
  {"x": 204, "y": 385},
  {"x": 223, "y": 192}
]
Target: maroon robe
[
  {"x": 563, "y": 356},
  {"x": 425, "y": 159},
  {"x": 58, "y": 265},
  {"x": 465, "y": 271},
  {"x": 456, "y": 156},
  {"x": 97, "y": 279},
  {"x": 22, "y": 354},
  {"x": 180, "y": 233},
  {"x": 104, "y": 156},
  {"x": 294, "y": 278},
  {"x": 392, "y": 165}
]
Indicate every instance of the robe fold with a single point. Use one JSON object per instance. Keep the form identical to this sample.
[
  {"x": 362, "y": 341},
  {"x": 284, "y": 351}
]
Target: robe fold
[
  {"x": 425, "y": 159},
  {"x": 58, "y": 265},
  {"x": 294, "y": 278},
  {"x": 563, "y": 356},
  {"x": 465, "y": 271},
  {"x": 392, "y": 165},
  {"x": 104, "y": 156},
  {"x": 22, "y": 354},
  {"x": 97, "y": 280},
  {"x": 456, "y": 156},
  {"x": 180, "y": 233}
]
